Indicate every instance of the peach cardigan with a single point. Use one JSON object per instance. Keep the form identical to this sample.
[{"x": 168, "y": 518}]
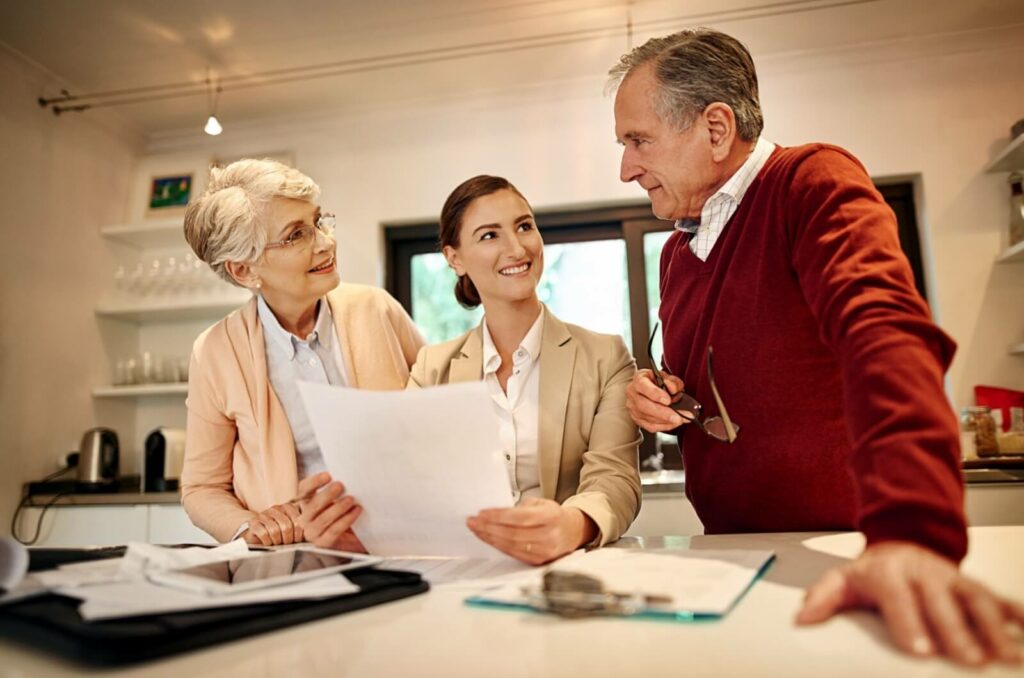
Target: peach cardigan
[
  {"x": 587, "y": 441},
  {"x": 239, "y": 451}
]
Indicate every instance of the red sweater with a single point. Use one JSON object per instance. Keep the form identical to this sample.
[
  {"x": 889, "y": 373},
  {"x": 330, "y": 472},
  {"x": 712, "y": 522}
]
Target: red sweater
[{"x": 824, "y": 354}]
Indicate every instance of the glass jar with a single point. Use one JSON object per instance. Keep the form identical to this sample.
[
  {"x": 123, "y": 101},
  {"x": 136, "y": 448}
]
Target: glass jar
[{"x": 977, "y": 424}]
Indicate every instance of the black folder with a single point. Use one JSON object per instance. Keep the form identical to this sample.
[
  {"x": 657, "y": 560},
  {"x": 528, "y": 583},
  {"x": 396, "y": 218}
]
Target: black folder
[{"x": 51, "y": 623}]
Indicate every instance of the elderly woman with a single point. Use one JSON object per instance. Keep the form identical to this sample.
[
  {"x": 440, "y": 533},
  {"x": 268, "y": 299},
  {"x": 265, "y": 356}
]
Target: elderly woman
[{"x": 249, "y": 442}]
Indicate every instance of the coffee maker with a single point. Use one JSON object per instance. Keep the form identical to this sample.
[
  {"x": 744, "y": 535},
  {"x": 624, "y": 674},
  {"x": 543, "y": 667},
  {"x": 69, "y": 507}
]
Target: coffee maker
[{"x": 163, "y": 459}]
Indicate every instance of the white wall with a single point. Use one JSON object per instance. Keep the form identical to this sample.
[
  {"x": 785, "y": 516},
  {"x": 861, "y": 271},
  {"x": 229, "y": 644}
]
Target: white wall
[
  {"x": 936, "y": 108},
  {"x": 59, "y": 181}
]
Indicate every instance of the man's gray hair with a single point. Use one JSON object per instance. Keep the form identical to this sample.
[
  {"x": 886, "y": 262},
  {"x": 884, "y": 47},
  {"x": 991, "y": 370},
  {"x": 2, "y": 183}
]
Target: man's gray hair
[
  {"x": 695, "y": 68},
  {"x": 225, "y": 223}
]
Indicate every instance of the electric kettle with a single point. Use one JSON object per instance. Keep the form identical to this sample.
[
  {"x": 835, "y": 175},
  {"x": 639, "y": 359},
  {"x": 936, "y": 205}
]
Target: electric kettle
[{"x": 97, "y": 458}]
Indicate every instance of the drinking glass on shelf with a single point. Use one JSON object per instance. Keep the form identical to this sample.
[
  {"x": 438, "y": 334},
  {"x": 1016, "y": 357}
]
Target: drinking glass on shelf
[
  {"x": 136, "y": 283},
  {"x": 171, "y": 283},
  {"x": 183, "y": 362}
]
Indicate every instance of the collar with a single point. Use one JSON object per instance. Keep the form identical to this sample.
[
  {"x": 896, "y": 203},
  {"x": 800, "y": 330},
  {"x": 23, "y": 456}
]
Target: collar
[
  {"x": 287, "y": 341},
  {"x": 529, "y": 348},
  {"x": 736, "y": 185}
]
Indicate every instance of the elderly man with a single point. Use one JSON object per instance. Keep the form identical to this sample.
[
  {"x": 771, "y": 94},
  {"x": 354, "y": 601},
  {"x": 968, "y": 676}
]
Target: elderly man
[{"x": 827, "y": 364}]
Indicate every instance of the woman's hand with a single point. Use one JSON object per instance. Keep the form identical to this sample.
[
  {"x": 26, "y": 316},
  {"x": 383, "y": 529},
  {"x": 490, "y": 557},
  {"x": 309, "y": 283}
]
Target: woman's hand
[
  {"x": 278, "y": 524},
  {"x": 326, "y": 514},
  {"x": 535, "y": 532}
]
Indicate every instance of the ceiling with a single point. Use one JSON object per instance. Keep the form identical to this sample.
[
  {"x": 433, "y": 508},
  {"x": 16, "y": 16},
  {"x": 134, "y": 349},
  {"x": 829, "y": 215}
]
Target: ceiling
[{"x": 392, "y": 51}]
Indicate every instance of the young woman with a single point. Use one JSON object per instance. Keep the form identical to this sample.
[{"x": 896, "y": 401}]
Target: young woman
[
  {"x": 559, "y": 390},
  {"x": 248, "y": 440}
]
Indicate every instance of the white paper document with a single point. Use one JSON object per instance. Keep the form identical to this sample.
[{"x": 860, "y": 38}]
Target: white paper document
[
  {"x": 419, "y": 463},
  {"x": 699, "y": 582},
  {"x": 118, "y": 588}
]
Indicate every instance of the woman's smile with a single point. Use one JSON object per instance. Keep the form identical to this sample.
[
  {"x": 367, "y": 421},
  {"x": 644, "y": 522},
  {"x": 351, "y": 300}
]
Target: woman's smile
[
  {"x": 516, "y": 269},
  {"x": 325, "y": 267}
]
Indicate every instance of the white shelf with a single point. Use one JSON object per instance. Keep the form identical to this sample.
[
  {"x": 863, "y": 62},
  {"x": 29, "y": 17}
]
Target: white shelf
[
  {"x": 1017, "y": 349},
  {"x": 151, "y": 235},
  {"x": 140, "y": 391},
  {"x": 173, "y": 310},
  {"x": 1010, "y": 158},
  {"x": 1014, "y": 254}
]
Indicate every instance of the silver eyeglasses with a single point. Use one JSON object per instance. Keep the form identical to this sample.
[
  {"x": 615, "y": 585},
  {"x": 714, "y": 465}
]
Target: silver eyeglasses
[
  {"x": 304, "y": 236},
  {"x": 720, "y": 428}
]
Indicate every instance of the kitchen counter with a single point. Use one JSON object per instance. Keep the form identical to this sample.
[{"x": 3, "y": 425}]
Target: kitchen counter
[
  {"x": 669, "y": 482},
  {"x": 106, "y": 498},
  {"x": 437, "y": 634}
]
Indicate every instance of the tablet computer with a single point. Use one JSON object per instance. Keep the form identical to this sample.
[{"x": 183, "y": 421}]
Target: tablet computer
[{"x": 262, "y": 569}]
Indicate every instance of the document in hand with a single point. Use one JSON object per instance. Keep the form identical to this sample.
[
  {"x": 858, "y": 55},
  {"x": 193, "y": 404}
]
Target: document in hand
[
  {"x": 669, "y": 583},
  {"x": 418, "y": 462}
]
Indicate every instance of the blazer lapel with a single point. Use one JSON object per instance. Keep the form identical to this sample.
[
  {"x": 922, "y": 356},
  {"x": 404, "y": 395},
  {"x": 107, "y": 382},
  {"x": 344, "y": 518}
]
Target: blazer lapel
[
  {"x": 557, "y": 361},
  {"x": 468, "y": 363}
]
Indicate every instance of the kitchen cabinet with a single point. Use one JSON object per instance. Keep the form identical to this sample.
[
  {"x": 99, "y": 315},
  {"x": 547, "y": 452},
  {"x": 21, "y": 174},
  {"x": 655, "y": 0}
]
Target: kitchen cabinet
[
  {"x": 1011, "y": 159},
  {"x": 159, "y": 309},
  {"x": 92, "y": 525}
]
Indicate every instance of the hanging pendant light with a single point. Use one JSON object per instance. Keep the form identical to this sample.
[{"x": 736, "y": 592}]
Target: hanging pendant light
[{"x": 213, "y": 126}]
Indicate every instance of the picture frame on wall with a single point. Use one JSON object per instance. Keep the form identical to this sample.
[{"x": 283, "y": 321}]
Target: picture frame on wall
[{"x": 169, "y": 194}]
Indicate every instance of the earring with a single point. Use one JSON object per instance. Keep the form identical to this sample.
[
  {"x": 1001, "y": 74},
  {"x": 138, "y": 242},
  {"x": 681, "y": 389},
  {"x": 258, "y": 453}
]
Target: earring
[{"x": 259, "y": 284}]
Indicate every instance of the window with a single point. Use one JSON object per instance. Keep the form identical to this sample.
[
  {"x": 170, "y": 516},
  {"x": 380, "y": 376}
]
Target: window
[{"x": 600, "y": 271}]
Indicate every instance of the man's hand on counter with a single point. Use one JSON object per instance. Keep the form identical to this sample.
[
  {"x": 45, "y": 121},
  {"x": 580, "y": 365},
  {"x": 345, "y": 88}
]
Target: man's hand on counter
[{"x": 927, "y": 604}]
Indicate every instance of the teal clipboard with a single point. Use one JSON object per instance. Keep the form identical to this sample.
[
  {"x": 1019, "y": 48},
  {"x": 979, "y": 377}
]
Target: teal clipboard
[{"x": 650, "y": 614}]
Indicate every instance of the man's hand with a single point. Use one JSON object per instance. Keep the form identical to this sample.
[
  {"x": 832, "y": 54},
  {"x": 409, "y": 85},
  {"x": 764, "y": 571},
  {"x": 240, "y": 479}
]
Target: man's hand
[
  {"x": 535, "y": 532},
  {"x": 648, "y": 405},
  {"x": 928, "y": 605},
  {"x": 327, "y": 514}
]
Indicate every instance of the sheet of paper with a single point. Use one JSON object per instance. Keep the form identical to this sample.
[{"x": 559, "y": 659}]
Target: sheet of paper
[
  {"x": 419, "y": 463},
  {"x": 118, "y": 587},
  {"x": 139, "y": 597},
  {"x": 468, "y": 572},
  {"x": 703, "y": 582}
]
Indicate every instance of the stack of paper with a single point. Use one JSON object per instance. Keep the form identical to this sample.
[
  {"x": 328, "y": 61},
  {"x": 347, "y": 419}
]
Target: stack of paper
[{"x": 118, "y": 587}]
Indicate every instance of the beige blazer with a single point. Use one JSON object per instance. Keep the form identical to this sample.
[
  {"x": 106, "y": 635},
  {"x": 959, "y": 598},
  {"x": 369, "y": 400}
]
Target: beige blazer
[
  {"x": 239, "y": 449},
  {"x": 587, "y": 443}
]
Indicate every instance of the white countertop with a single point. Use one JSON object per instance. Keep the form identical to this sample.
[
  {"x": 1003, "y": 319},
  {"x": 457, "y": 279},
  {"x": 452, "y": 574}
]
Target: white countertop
[{"x": 435, "y": 634}]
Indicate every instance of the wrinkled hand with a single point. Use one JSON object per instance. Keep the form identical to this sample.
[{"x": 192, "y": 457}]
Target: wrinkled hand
[
  {"x": 535, "y": 532},
  {"x": 326, "y": 517},
  {"x": 928, "y": 605},
  {"x": 278, "y": 524},
  {"x": 648, "y": 405}
]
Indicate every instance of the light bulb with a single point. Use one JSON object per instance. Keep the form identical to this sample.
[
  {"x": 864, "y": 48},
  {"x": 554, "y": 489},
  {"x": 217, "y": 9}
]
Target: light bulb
[{"x": 213, "y": 127}]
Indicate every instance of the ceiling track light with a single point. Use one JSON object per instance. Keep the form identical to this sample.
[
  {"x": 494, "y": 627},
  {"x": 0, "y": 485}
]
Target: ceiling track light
[{"x": 68, "y": 102}]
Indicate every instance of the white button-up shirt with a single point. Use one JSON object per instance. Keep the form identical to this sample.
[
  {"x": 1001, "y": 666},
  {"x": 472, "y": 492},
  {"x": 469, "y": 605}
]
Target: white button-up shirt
[
  {"x": 318, "y": 359},
  {"x": 720, "y": 207},
  {"x": 518, "y": 409}
]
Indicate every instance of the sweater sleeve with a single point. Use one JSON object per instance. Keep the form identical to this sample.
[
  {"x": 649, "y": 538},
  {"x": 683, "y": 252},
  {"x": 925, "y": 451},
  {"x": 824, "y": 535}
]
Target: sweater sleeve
[
  {"x": 846, "y": 254},
  {"x": 207, "y": 480}
]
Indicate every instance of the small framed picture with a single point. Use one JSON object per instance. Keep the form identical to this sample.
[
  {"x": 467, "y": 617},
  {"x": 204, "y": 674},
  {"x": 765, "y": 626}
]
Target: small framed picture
[{"x": 168, "y": 194}]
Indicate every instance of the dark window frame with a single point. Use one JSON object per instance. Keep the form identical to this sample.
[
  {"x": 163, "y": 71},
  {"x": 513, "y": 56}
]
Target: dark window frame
[{"x": 629, "y": 222}]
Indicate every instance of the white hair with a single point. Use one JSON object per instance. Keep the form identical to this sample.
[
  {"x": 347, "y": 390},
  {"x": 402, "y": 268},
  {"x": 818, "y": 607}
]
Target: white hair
[{"x": 225, "y": 223}]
